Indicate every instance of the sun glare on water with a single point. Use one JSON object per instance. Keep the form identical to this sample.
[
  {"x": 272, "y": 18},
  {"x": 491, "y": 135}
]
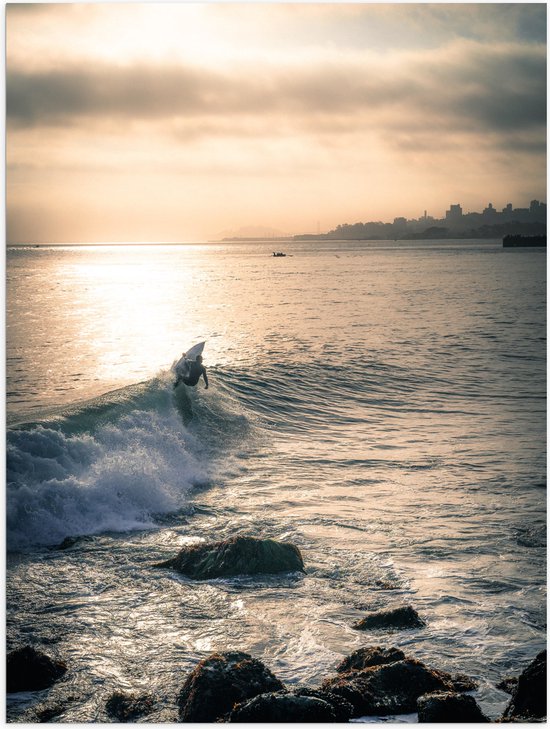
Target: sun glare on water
[{"x": 124, "y": 290}]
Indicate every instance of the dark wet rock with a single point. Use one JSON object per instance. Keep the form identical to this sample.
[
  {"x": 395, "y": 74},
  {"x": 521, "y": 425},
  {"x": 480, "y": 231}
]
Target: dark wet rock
[
  {"x": 45, "y": 714},
  {"x": 528, "y": 700},
  {"x": 30, "y": 670},
  {"x": 48, "y": 711},
  {"x": 392, "y": 688},
  {"x": 236, "y": 556},
  {"x": 399, "y": 618},
  {"x": 69, "y": 542},
  {"x": 508, "y": 684},
  {"x": 302, "y": 705},
  {"x": 343, "y": 710},
  {"x": 368, "y": 657},
  {"x": 128, "y": 707},
  {"x": 219, "y": 682},
  {"x": 464, "y": 683},
  {"x": 161, "y": 715},
  {"x": 449, "y": 708},
  {"x": 387, "y": 585}
]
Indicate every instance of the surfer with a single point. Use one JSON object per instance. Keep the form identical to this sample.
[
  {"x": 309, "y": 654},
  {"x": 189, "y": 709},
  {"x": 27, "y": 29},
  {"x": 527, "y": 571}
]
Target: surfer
[{"x": 192, "y": 374}]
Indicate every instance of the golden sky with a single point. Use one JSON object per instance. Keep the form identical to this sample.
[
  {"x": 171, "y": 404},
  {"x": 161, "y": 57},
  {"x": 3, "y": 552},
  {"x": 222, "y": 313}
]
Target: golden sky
[{"x": 185, "y": 121}]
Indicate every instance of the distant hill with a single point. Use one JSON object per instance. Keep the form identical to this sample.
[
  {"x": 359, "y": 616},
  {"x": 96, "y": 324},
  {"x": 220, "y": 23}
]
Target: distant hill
[{"x": 252, "y": 231}]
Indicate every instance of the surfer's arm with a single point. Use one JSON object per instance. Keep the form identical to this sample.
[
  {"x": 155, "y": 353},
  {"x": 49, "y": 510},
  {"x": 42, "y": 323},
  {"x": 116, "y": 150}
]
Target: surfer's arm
[{"x": 205, "y": 378}]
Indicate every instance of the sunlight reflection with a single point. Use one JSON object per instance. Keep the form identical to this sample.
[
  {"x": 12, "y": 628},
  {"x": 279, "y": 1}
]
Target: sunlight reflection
[{"x": 129, "y": 316}]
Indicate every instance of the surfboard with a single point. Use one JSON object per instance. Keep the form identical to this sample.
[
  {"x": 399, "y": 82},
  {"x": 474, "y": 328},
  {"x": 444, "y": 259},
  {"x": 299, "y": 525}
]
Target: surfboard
[
  {"x": 194, "y": 352},
  {"x": 189, "y": 356}
]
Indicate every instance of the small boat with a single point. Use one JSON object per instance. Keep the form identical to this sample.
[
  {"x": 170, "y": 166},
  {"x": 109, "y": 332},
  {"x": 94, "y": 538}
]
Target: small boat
[{"x": 279, "y": 254}]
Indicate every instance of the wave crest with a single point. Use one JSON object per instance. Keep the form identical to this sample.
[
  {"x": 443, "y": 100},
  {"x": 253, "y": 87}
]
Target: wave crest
[{"x": 113, "y": 477}]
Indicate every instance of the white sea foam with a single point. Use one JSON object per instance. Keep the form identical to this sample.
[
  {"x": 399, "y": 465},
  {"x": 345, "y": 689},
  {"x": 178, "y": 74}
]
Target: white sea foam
[{"x": 114, "y": 479}]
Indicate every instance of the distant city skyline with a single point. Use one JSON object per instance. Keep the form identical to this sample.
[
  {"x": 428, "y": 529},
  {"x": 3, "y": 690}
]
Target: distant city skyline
[
  {"x": 487, "y": 223},
  {"x": 131, "y": 122},
  {"x": 534, "y": 211}
]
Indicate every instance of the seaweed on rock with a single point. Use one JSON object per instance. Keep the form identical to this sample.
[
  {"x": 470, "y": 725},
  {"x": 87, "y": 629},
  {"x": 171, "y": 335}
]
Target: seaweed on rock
[
  {"x": 219, "y": 682},
  {"x": 381, "y": 682},
  {"x": 236, "y": 556}
]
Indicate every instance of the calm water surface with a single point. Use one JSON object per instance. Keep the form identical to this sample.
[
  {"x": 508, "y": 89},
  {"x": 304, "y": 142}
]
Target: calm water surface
[{"x": 380, "y": 405}]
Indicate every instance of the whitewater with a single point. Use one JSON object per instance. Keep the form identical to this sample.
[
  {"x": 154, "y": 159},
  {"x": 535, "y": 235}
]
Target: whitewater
[{"x": 381, "y": 405}]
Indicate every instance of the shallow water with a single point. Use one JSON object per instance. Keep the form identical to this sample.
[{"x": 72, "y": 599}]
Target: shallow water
[{"x": 380, "y": 405}]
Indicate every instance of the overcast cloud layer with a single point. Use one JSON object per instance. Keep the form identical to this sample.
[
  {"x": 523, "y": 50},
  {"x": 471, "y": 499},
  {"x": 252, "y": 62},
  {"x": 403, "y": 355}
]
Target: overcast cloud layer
[{"x": 354, "y": 113}]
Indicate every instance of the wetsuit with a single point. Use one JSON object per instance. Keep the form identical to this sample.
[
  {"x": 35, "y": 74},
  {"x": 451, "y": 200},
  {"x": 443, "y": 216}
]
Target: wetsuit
[{"x": 193, "y": 373}]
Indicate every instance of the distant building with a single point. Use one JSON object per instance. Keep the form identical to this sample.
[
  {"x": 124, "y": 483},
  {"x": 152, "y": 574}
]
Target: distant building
[
  {"x": 454, "y": 214},
  {"x": 537, "y": 208}
]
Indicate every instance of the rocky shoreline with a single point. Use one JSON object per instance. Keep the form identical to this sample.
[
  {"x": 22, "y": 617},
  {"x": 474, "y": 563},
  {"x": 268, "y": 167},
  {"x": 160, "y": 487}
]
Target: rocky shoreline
[{"x": 234, "y": 686}]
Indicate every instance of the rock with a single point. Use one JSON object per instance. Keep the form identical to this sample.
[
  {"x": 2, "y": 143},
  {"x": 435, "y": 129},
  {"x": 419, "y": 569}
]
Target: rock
[
  {"x": 292, "y": 707},
  {"x": 48, "y": 711},
  {"x": 529, "y": 697},
  {"x": 449, "y": 708},
  {"x": 236, "y": 556},
  {"x": 370, "y": 656},
  {"x": 463, "y": 683},
  {"x": 128, "y": 707},
  {"x": 508, "y": 684},
  {"x": 343, "y": 710},
  {"x": 399, "y": 618},
  {"x": 69, "y": 542},
  {"x": 30, "y": 670},
  {"x": 391, "y": 688},
  {"x": 45, "y": 714},
  {"x": 219, "y": 682}
]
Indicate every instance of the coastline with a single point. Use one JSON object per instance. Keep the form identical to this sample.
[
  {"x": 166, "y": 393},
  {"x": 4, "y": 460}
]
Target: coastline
[{"x": 372, "y": 683}]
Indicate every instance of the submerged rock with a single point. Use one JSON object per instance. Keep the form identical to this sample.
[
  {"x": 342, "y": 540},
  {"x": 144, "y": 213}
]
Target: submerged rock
[
  {"x": 464, "y": 683},
  {"x": 236, "y": 556},
  {"x": 508, "y": 684},
  {"x": 302, "y": 705},
  {"x": 46, "y": 714},
  {"x": 219, "y": 682},
  {"x": 30, "y": 670},
  {"x": 69, "y": 542},
  {"x": 528, "y": 700},
  {"x": 391, "y": 688},
  {"x": 449, "y": 708},
  {"x": 368, "y": 657},
  {"x": 128, "y": 707},
  {"x": 400, "y": 618}
]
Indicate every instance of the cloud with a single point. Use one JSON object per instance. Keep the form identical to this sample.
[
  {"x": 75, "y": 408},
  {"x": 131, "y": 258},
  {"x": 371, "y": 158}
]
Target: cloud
[
  {"x": 163, "y": 114},
  {"x": 466, "y": 87},
  {"x": 63, "y": 96},
  {"x": 27, "y": 9}
]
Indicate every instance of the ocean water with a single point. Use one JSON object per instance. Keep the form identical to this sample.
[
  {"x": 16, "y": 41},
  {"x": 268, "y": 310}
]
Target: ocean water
[{"x": 381, "y": 405}]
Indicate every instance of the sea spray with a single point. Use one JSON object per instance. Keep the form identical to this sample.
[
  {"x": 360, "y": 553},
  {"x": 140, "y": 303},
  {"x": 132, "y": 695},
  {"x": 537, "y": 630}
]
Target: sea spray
[{"x": 114, "y": 479}]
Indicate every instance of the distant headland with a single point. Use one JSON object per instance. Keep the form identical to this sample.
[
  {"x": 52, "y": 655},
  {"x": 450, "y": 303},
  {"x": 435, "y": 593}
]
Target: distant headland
[{"x": 491, "y": 223}]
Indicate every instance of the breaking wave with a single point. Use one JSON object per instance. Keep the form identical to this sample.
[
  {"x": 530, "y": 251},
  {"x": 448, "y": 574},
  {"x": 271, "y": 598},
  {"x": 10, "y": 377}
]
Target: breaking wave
[{"x": 114, "y": 463}]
